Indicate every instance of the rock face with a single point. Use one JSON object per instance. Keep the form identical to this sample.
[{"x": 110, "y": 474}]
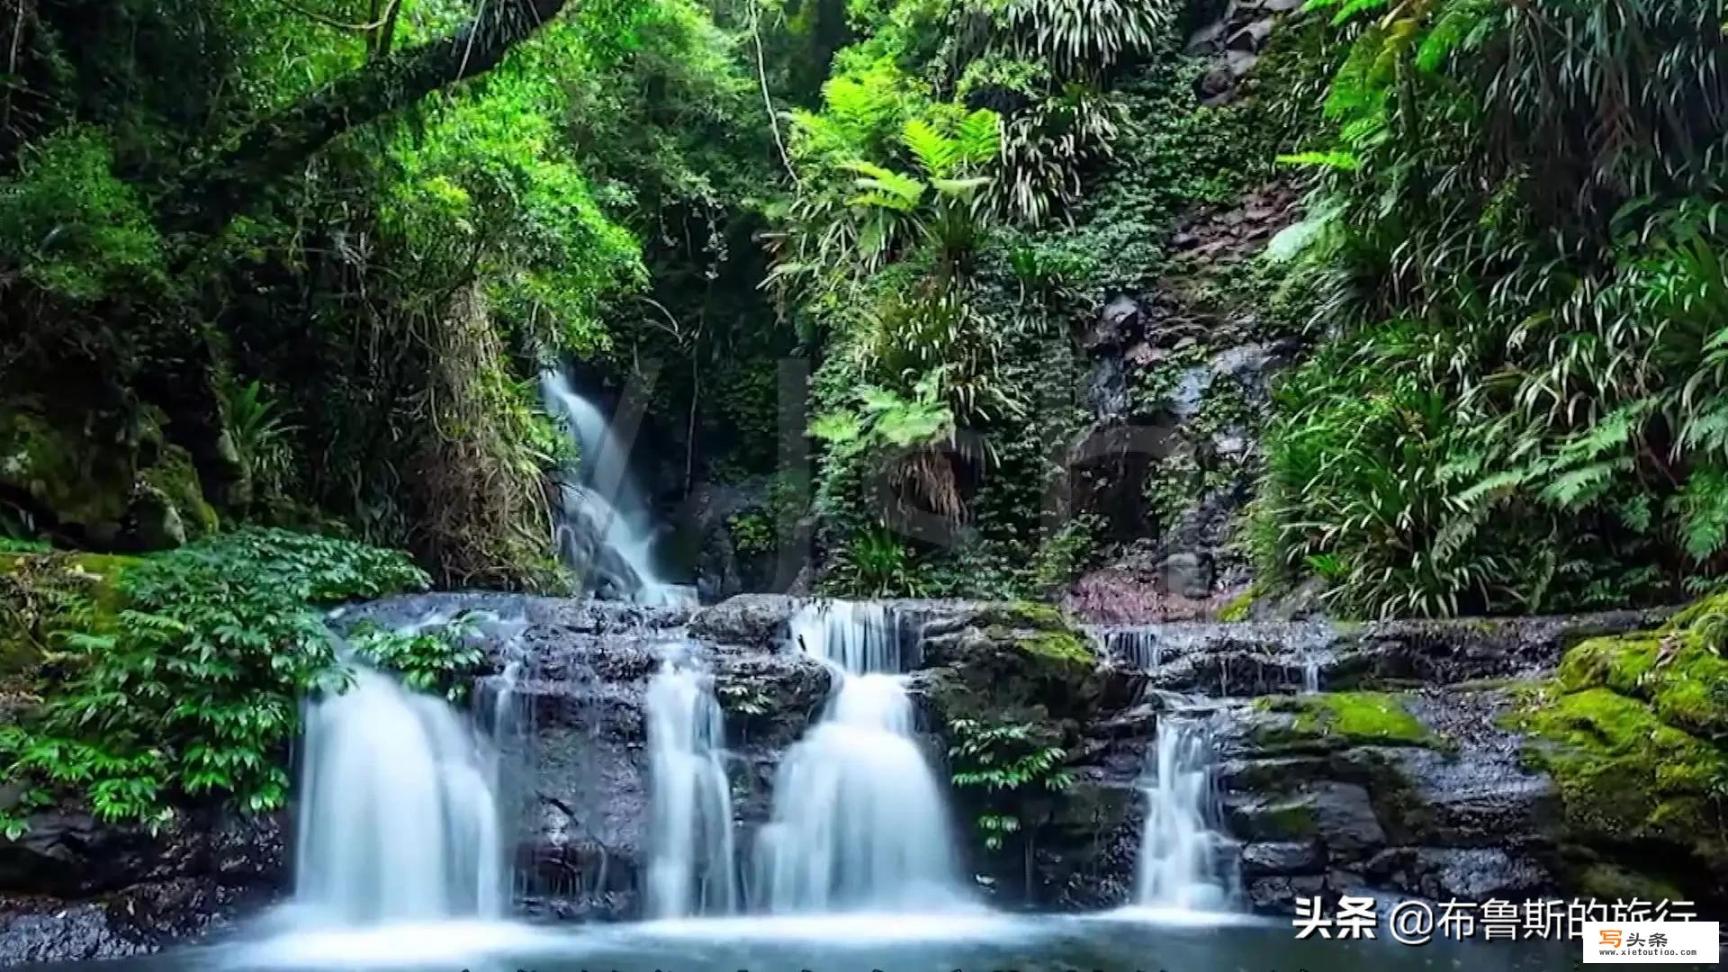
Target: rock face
[
  {"x": 583, "y": 821},
  {"x": 1344, "y": 792},
  {"x": 73, "y": 889}
]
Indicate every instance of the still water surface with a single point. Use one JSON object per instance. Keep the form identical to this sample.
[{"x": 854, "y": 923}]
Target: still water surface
[{"x": 1116, "y": 942}]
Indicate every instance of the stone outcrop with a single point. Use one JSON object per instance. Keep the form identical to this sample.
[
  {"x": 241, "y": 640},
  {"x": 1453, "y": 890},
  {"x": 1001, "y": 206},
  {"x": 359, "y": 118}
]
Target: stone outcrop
[{"x": 74, "y": 889}]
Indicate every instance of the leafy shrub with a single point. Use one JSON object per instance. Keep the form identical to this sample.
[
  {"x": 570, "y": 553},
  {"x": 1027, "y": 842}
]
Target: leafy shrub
[
  {"x": 442, "y": 660},
  {"x": 1001, "y": 759},
  {"x": 192, "y": 687},
  {"x": 875, "y": 563},
  {"x": 72, "y": 228},
  {"x": 1522, "y": 268}
]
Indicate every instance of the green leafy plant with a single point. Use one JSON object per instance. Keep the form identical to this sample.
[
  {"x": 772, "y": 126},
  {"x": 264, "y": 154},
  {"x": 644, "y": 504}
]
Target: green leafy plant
[
  {"x": 190, "y": 688},
  {"x": 1520, "y": 405},
  {"x": 876, "y": 563},
  {"x": 261, "y": 436},
  {"x": 1001, "y": 759},
  {"x": 441, "y": 660}
]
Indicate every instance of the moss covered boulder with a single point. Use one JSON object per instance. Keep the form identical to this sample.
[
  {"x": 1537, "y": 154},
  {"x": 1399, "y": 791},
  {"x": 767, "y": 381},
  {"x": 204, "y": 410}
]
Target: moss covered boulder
[
  {"x": 1019, "y": 661},
  {"x": 1045, "y": 747},
  {"x": 1632, "y": 729},
  {"x": 1337, "y": 720},
  {"x": 43, "y": 593},
  {"x": 106, "y": 480}
]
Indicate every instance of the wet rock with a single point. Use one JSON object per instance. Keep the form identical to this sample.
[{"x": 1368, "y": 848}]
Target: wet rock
[
  {"x": 75, "y": 889},
  {"x": 1115, "y": 327},
  {"x": 1344, "y": 818},
  {"x": 1187, "y": 574},
  {"x": 1468, "y": 874},
  {"x": 1290, "y": 857},
  {"x": 1107, "y": 389},
  {"x": 1280, "y": 893},
  {"x": 1251, "y": 37},
  {"x": 748, "y": 620},
  {"x": 1282, "y": 858}
]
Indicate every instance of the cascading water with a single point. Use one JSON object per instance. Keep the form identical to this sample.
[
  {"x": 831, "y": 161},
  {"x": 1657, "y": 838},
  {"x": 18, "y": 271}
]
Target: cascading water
[
  {"x": 859, "y": 821},
  {"x": 604, "y": 527},
  {"x": 691, "y": 868},
  {"x": 1181, "y": 855},
  {"x": 398, "y": 815}
]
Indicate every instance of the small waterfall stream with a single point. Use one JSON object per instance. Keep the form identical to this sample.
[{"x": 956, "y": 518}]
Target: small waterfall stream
[
  {"x": 859, "y": 820},
  {"x": 691, "y": 868},
  {"x": 604, "y": 529},
  {"x": 399, "y": 812},
  {"x": 1181, "y": 866}
]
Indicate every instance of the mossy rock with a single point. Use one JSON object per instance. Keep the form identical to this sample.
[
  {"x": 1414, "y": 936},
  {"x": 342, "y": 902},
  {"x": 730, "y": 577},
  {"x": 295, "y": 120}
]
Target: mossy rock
[
  {"x": 1625, "y": 775},
  {"x": 1239, "y": 607},
  {"x": 104, "y": 480},
  {"x": 1674, "y": 670},
  {"x": 82, "y": 483},
  {"x": 1611, "y": 882},
  {"x": 175, "y": 478},
  {"x": 1017, "y": 662},
  {"x": 42, "y": 594},
  {"x": 1340, "y": 719}
]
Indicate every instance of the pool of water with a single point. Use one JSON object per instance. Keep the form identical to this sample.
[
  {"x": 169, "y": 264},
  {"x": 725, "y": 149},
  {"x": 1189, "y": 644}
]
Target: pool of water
[{"x": 983, "y": 942}]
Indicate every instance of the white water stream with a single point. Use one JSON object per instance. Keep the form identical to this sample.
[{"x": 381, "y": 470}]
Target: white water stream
[
  {"x": 859, "y": 820},
  {"x": 691, "y": 867},
  {"x": 604, "y": 527},
  {"x": 399, "y": 812}
]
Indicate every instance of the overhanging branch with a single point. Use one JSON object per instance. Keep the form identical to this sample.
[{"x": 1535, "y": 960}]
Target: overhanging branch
[{"x": 215, "y": 191}]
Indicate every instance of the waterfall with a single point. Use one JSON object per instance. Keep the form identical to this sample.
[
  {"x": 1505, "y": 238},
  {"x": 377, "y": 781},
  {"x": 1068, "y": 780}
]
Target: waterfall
[
  {"x": 691, "y": 866},
  {"x": 859, "y": 820},
  {"x": 1180, "y": 866},
  {"x": 604, "y": 528},
  {"x": 398, "y": 813}
]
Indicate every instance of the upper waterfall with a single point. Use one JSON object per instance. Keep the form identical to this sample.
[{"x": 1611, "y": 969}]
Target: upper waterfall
[
  {"x": 859, "y": 819},
  {"x": 604, "y": 528}
]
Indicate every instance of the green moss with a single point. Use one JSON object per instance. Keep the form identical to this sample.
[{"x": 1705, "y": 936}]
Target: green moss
[
  {"x": 42, "y": 594},
  {"x": 60, "y": 471},
  {"x": 1064, "y": 646},
  {"x": 1674, "y": 670},
  {"x": 1351, "y": 718},
  {"x": 1290, "y": 820},
  {"x": 1608, "y": 882},
  {"x": 1624, "y": 774},
  {"x": 1236, "y": 609},
  {"x": 1037, "y": 629},
  {"x": 1023, "y": 614},
  {"x": 176, "y": 479}
]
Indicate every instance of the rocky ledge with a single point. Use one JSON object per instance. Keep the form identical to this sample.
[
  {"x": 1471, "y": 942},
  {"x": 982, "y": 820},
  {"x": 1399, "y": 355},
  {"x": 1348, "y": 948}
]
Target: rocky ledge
[
  {"x": 1467, "y": 758},
  {"x": 74, "y": 889},
  {"x": 1592, "y": 768}
]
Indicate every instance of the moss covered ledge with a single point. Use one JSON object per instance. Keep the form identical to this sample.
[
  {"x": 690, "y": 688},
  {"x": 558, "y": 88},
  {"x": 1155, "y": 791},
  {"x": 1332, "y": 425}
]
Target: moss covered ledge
[
  {"x": 1632, "y": 729},
  {"x": 1327, "y": 720}
]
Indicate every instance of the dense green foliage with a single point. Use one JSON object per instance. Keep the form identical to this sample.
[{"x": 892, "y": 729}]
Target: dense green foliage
[
  {"x": 1520, "y": 233},
  {"x": 185, "y": 681},
  {"x": 354, "y": 337},
  {"x": 1001, "y": 759},
  {"x": 979, "y": 180}
]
